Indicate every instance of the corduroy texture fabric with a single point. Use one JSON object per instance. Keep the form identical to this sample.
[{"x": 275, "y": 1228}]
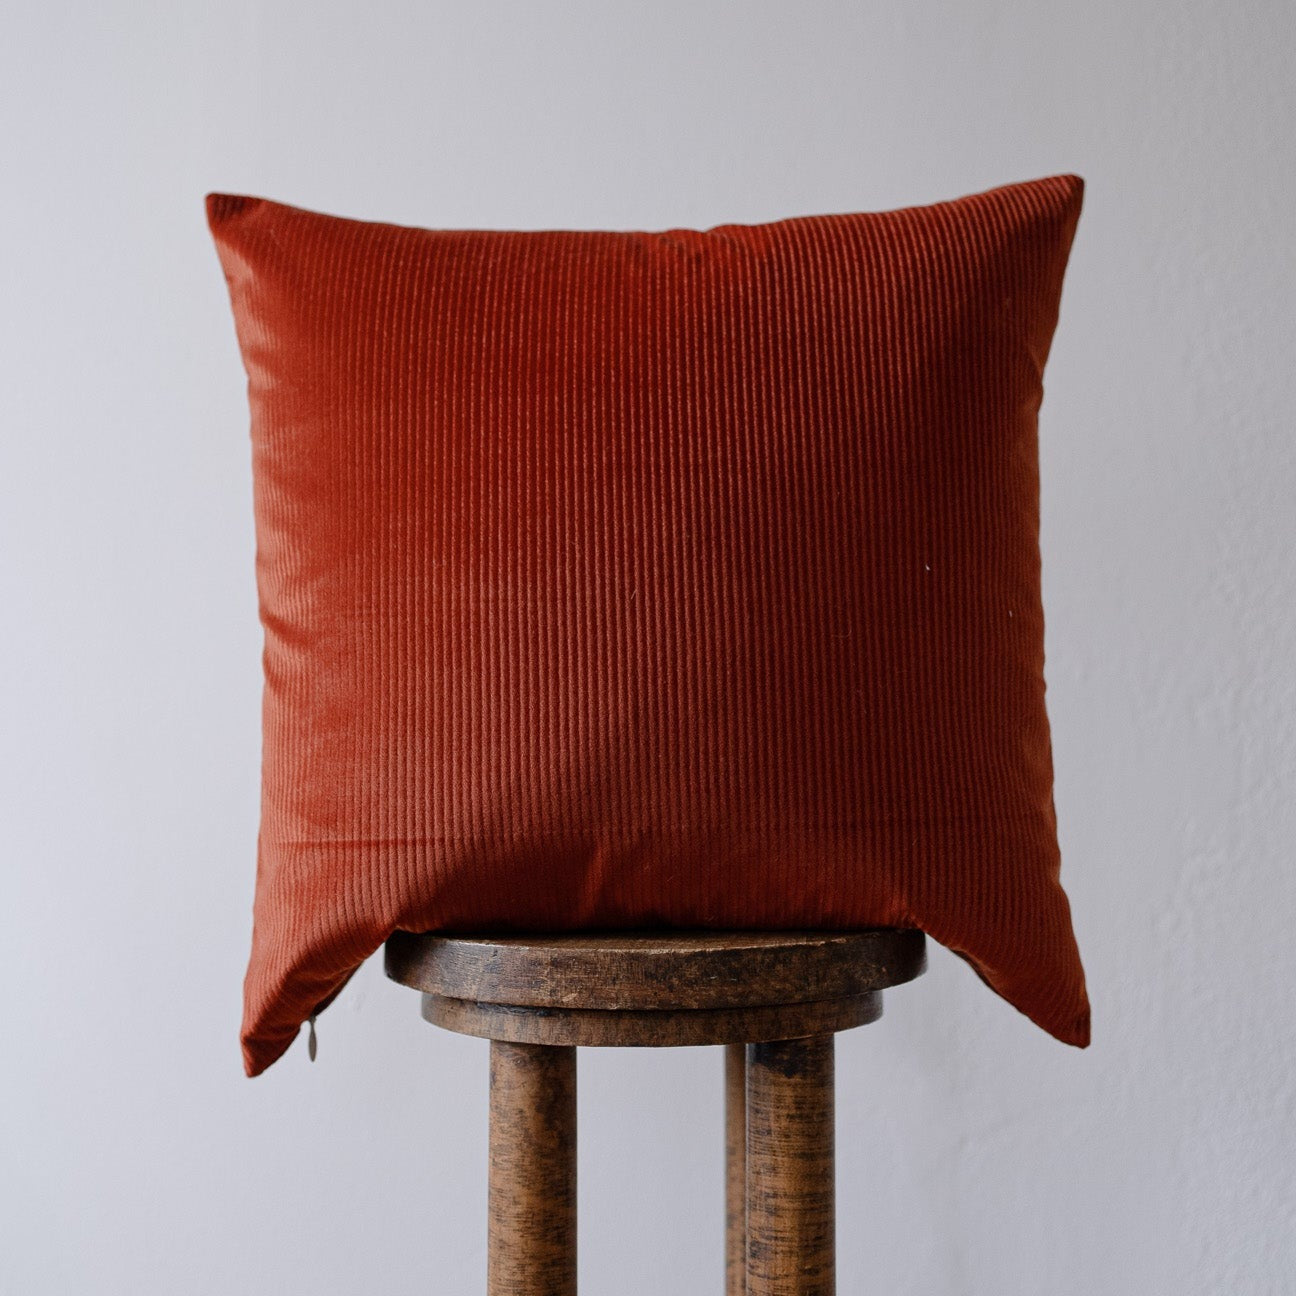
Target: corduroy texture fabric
[{"x": 652, "y": 579}]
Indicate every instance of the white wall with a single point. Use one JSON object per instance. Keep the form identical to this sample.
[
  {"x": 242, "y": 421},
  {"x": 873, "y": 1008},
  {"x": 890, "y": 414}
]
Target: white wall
[{"x": 976, "y": 1155}]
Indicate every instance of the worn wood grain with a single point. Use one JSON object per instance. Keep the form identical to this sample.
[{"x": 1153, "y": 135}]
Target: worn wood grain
[
  {"x": 656, "y": 970},
  {"x": 774, "y": 999},
  {"x": 791, "y": 1229},
  {"x": 589, "y": 1027},
  {"x": 532, "y": 1194}
]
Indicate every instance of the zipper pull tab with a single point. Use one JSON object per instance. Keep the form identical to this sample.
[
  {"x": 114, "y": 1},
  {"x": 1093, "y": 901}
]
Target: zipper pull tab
[{"x": 312, "y": 1045}]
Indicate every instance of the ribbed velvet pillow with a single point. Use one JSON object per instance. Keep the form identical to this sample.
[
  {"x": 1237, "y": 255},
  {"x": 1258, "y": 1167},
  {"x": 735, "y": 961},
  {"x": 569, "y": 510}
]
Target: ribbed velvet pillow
[{"x": 652, "y": 579}]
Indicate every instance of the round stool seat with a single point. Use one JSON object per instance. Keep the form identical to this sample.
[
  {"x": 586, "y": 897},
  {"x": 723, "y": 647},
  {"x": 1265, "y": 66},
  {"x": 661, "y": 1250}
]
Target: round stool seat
[{"x": 654, "y": 988}]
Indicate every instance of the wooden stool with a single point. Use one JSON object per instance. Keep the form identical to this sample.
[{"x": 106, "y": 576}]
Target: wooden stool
[{"x": 774, "y": 999}]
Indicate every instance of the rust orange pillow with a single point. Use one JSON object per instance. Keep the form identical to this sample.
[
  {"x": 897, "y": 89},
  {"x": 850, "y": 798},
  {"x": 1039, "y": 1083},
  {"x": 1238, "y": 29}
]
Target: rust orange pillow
[{"x": 685, "y": 578}]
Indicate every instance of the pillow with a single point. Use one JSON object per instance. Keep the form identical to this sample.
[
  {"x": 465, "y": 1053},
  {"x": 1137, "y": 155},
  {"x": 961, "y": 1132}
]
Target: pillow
[{"x": 675, "y": 579}]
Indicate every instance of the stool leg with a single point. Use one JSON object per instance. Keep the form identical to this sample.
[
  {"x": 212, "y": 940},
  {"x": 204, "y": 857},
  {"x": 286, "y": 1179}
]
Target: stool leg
[
  {"x": 791, "y": 1242},
  {"x": 532, "y": 1209},
  {"x": 735, "y": 1170}
]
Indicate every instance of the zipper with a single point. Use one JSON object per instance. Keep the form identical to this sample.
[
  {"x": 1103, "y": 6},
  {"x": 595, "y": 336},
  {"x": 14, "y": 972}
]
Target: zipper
[{"x": 312, "y": 1044}]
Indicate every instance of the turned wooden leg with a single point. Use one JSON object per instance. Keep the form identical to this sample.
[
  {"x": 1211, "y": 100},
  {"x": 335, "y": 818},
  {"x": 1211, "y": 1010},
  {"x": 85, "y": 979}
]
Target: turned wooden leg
[
  {"x": 532, "y": 1209},
  {"x": 735, "y": 1170},
  {"x": 791, "y": 1242}
]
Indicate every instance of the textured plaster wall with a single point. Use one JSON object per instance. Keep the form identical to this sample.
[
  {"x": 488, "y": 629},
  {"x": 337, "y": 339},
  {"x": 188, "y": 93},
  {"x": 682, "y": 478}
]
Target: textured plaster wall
[{"x": 976, "y": 1155}]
